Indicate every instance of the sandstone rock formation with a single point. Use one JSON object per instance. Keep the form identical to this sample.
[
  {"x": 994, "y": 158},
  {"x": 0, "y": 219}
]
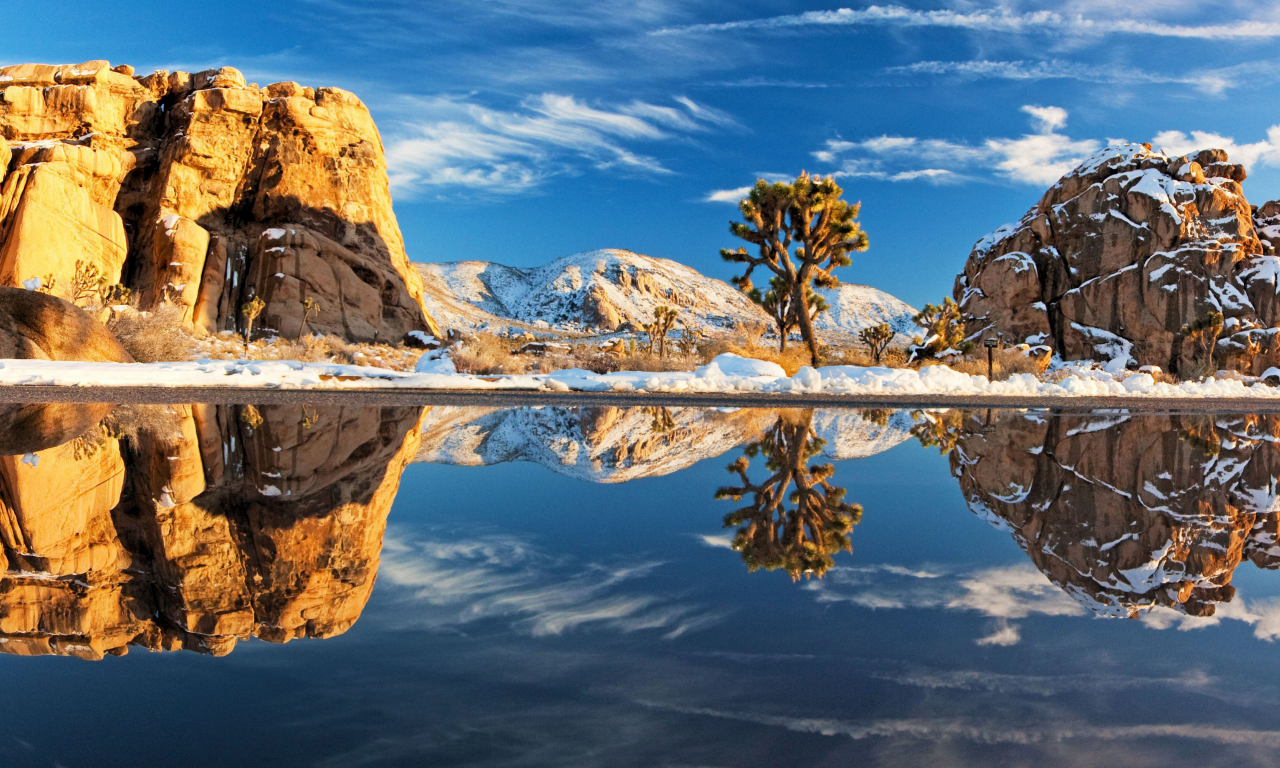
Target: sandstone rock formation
[
  {"x": 244, "y": 522},
  {"x": 36, "y": 326},
  {"x": 205, "y": 191},
  {"x": 1124, "y": 512},
  {"x": 1125, "y": 251}
]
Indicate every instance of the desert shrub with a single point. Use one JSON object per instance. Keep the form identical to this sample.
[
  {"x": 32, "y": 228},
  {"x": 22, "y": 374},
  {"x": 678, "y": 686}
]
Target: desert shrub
[
  {"x": 896, "y": 357},
  {"x": 155, "y": 336},
  {"x": 1005, "y": 363},
  {"x": 488, "y": 354}
]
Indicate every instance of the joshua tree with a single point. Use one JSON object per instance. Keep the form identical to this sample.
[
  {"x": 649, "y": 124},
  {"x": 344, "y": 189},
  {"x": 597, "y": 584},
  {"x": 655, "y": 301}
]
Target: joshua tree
[
  {"x": 86, "y": 283},
  {"x": 877, "y": 339},
  {"x": 1203, "y": 332},
  {"x": 250, "y": 309},
  {"x": 309, "y": 305},
  {"x": 777, "y": 301},
  {"x": 46, "y": 284},
  {"x": 810, "y": 215},
  {"x": 945, "y": 327},
  {"x": 664, "y": 318},
  {"x": 800, "y": 540}
]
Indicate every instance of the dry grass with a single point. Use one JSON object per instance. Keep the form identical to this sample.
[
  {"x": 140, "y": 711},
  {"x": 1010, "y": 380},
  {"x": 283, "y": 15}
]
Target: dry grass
[
  {"x": 155, "y": 336},
  {"x": 309, "y": 349},
  {"x": 1005, "y": 363},
  {"x": 487, "y": 354}
]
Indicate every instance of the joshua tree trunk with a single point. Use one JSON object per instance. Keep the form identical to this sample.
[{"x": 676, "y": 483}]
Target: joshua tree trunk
[{"x": 806, "y": 322}]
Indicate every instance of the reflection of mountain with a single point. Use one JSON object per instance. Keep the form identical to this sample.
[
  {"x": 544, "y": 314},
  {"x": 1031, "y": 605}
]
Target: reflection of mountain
[
  {"x": 244, "y": 522},
  {"x": 613, "y": 445},
  {"x": 1124, "y": 511}
]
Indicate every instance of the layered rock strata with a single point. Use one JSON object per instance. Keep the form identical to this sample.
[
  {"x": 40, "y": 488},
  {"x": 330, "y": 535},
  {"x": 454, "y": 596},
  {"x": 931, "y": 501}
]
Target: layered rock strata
[
  {"x": 1125, "y": 512},
  {"x": 204, "y": 191},
  {"x": 1123, "y": 253},
  {"x": 229, "y": 522}
]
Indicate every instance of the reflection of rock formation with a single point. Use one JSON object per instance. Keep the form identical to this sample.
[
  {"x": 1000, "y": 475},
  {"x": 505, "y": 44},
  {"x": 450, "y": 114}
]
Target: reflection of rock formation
[
  {"x": 1124, "y": 511},
  {"x": 613, "y": 445},
  {"x": 257, "y": 522},
  {"x": 801, "y": 539}
]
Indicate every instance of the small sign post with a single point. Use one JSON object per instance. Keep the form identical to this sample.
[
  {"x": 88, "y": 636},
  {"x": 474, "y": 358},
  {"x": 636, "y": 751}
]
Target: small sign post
[{"x": 990, "y": 344}]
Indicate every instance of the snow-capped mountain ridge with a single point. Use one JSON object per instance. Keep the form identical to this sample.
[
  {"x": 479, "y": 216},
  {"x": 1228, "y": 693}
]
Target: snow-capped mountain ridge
[{"x": 611, "y": 289}]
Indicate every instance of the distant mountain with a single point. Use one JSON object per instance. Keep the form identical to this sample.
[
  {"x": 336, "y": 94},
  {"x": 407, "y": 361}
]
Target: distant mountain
[
  {"x": 615, "y": 445},
  {"x": 606, "y": 290}
]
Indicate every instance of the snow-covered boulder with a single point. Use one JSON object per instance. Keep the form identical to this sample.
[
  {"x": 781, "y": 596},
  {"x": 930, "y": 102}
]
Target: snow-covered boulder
[{"x": 1120, "y": 254}]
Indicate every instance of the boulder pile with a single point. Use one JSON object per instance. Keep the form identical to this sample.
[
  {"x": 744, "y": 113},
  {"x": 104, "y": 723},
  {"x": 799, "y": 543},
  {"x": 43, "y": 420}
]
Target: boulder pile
[
  {"x": 1135, "y": 258},
  {"x": 206, "y": 191}
]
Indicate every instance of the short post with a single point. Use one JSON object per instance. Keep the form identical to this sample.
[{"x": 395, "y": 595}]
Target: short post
[{"x": 990, "y": 344}]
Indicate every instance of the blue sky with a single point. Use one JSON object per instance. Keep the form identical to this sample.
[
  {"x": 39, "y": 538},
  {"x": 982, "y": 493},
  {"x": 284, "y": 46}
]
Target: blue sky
[{"x": 522, "y": 130}]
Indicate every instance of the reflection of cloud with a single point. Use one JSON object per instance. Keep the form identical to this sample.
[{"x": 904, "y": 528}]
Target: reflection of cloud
[
  {"x": 1004, "y": 594},
  {"x": 1262, "y": 615},
  {"x": 1041, "y": 685},
  {"x": 720, "y": 542},
  {"x": 984, "y": 731},
  {"x": 463, "y": 581}
]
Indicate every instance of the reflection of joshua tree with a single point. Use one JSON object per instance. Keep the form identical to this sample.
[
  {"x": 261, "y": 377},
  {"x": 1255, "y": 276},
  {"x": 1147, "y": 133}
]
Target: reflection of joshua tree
[
  {"x": 938, "y": 430},
  {"x": 802, "y": 539}
]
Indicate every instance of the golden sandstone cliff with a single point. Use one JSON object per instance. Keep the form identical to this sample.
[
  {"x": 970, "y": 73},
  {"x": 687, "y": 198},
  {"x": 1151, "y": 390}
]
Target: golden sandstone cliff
[
  {"x": 205, "y": 191},
  {"x": 229, "y": 522}
]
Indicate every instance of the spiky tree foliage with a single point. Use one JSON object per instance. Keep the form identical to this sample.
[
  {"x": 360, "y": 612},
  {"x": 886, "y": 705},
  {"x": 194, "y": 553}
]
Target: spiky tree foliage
[
  {"x": 664, "y": 318},
  {"x": 800, "y": 539},
  {"x": 780, "y": 304},
  {"x": 877, "y": 338},
  {"x": 938, "y": 430},
  {"x": 802, "y": 231},
  {"x": 1203, "y": 333},
  {"x": 251, "y": 309},
  {"x": 945, "y": 327},
  {"x": 86, "y": 284}
]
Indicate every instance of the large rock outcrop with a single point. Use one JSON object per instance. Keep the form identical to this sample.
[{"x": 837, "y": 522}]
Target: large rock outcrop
[
  {"x": 36, "y": 326},
  {"x": 213, "y": 524},
  {"x": 1125, "y": 251},
  {"x": 204, "y": 191},
  {"x": 1124, "y": 512}
]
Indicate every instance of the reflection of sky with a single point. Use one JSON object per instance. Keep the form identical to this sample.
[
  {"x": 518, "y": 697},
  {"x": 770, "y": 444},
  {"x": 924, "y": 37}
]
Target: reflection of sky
[{"x": 526, "y": 618}]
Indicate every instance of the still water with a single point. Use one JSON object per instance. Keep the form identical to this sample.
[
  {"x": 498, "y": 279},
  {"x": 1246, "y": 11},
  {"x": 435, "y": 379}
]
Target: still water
[{"x": 366, "y": 586}]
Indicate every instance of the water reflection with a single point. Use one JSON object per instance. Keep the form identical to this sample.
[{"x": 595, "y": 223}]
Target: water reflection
[
  {"x": 801, "y": 539},
  {"x": 192, "y": 527},
  {"x": 1124, "y": 511}
]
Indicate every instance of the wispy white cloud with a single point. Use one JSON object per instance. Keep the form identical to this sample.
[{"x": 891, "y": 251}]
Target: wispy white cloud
[
  {"x": 449, "y": 142},
  {"x": 727, "y": 195},
  {"x": 1038, "y": 158},
  {"x": 456, "y": 582},
  {"x": 999, "y": 20},
  {"x": 1207, "y": 81}
]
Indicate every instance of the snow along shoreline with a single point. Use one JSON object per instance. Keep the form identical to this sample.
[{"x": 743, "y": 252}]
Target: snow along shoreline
[{"x": 725, "y": 374}]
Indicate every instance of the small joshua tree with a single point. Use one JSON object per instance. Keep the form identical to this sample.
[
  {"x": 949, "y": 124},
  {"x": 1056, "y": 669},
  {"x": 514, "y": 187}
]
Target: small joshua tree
[
  {"x": 309, "y": 305},
  {"x": 802, "y": 231},
  {"x": 86, "y": 284},
  {"x": 780, "y": 305},
  {"x": 1203, "y": 334},
  {"x": 664, "y": 318},
  {"x": 46, "y": 284},
  {"x": 251, "y": 309},
  {"x": 877, "y": 339},
  {"x": 945, "y": 327}
]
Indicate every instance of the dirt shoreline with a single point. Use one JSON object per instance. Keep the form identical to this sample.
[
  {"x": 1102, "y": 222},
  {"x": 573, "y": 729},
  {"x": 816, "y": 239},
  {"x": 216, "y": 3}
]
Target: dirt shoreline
[{"x": 516, "y": 398}]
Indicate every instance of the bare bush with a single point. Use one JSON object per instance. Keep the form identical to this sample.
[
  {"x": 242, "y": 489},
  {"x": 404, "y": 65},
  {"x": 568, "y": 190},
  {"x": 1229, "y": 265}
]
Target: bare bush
[
  {"x": 488, "y": 354},
  {"x": 155, "y": 336},
  {"x": 1005, "y": 363}
]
